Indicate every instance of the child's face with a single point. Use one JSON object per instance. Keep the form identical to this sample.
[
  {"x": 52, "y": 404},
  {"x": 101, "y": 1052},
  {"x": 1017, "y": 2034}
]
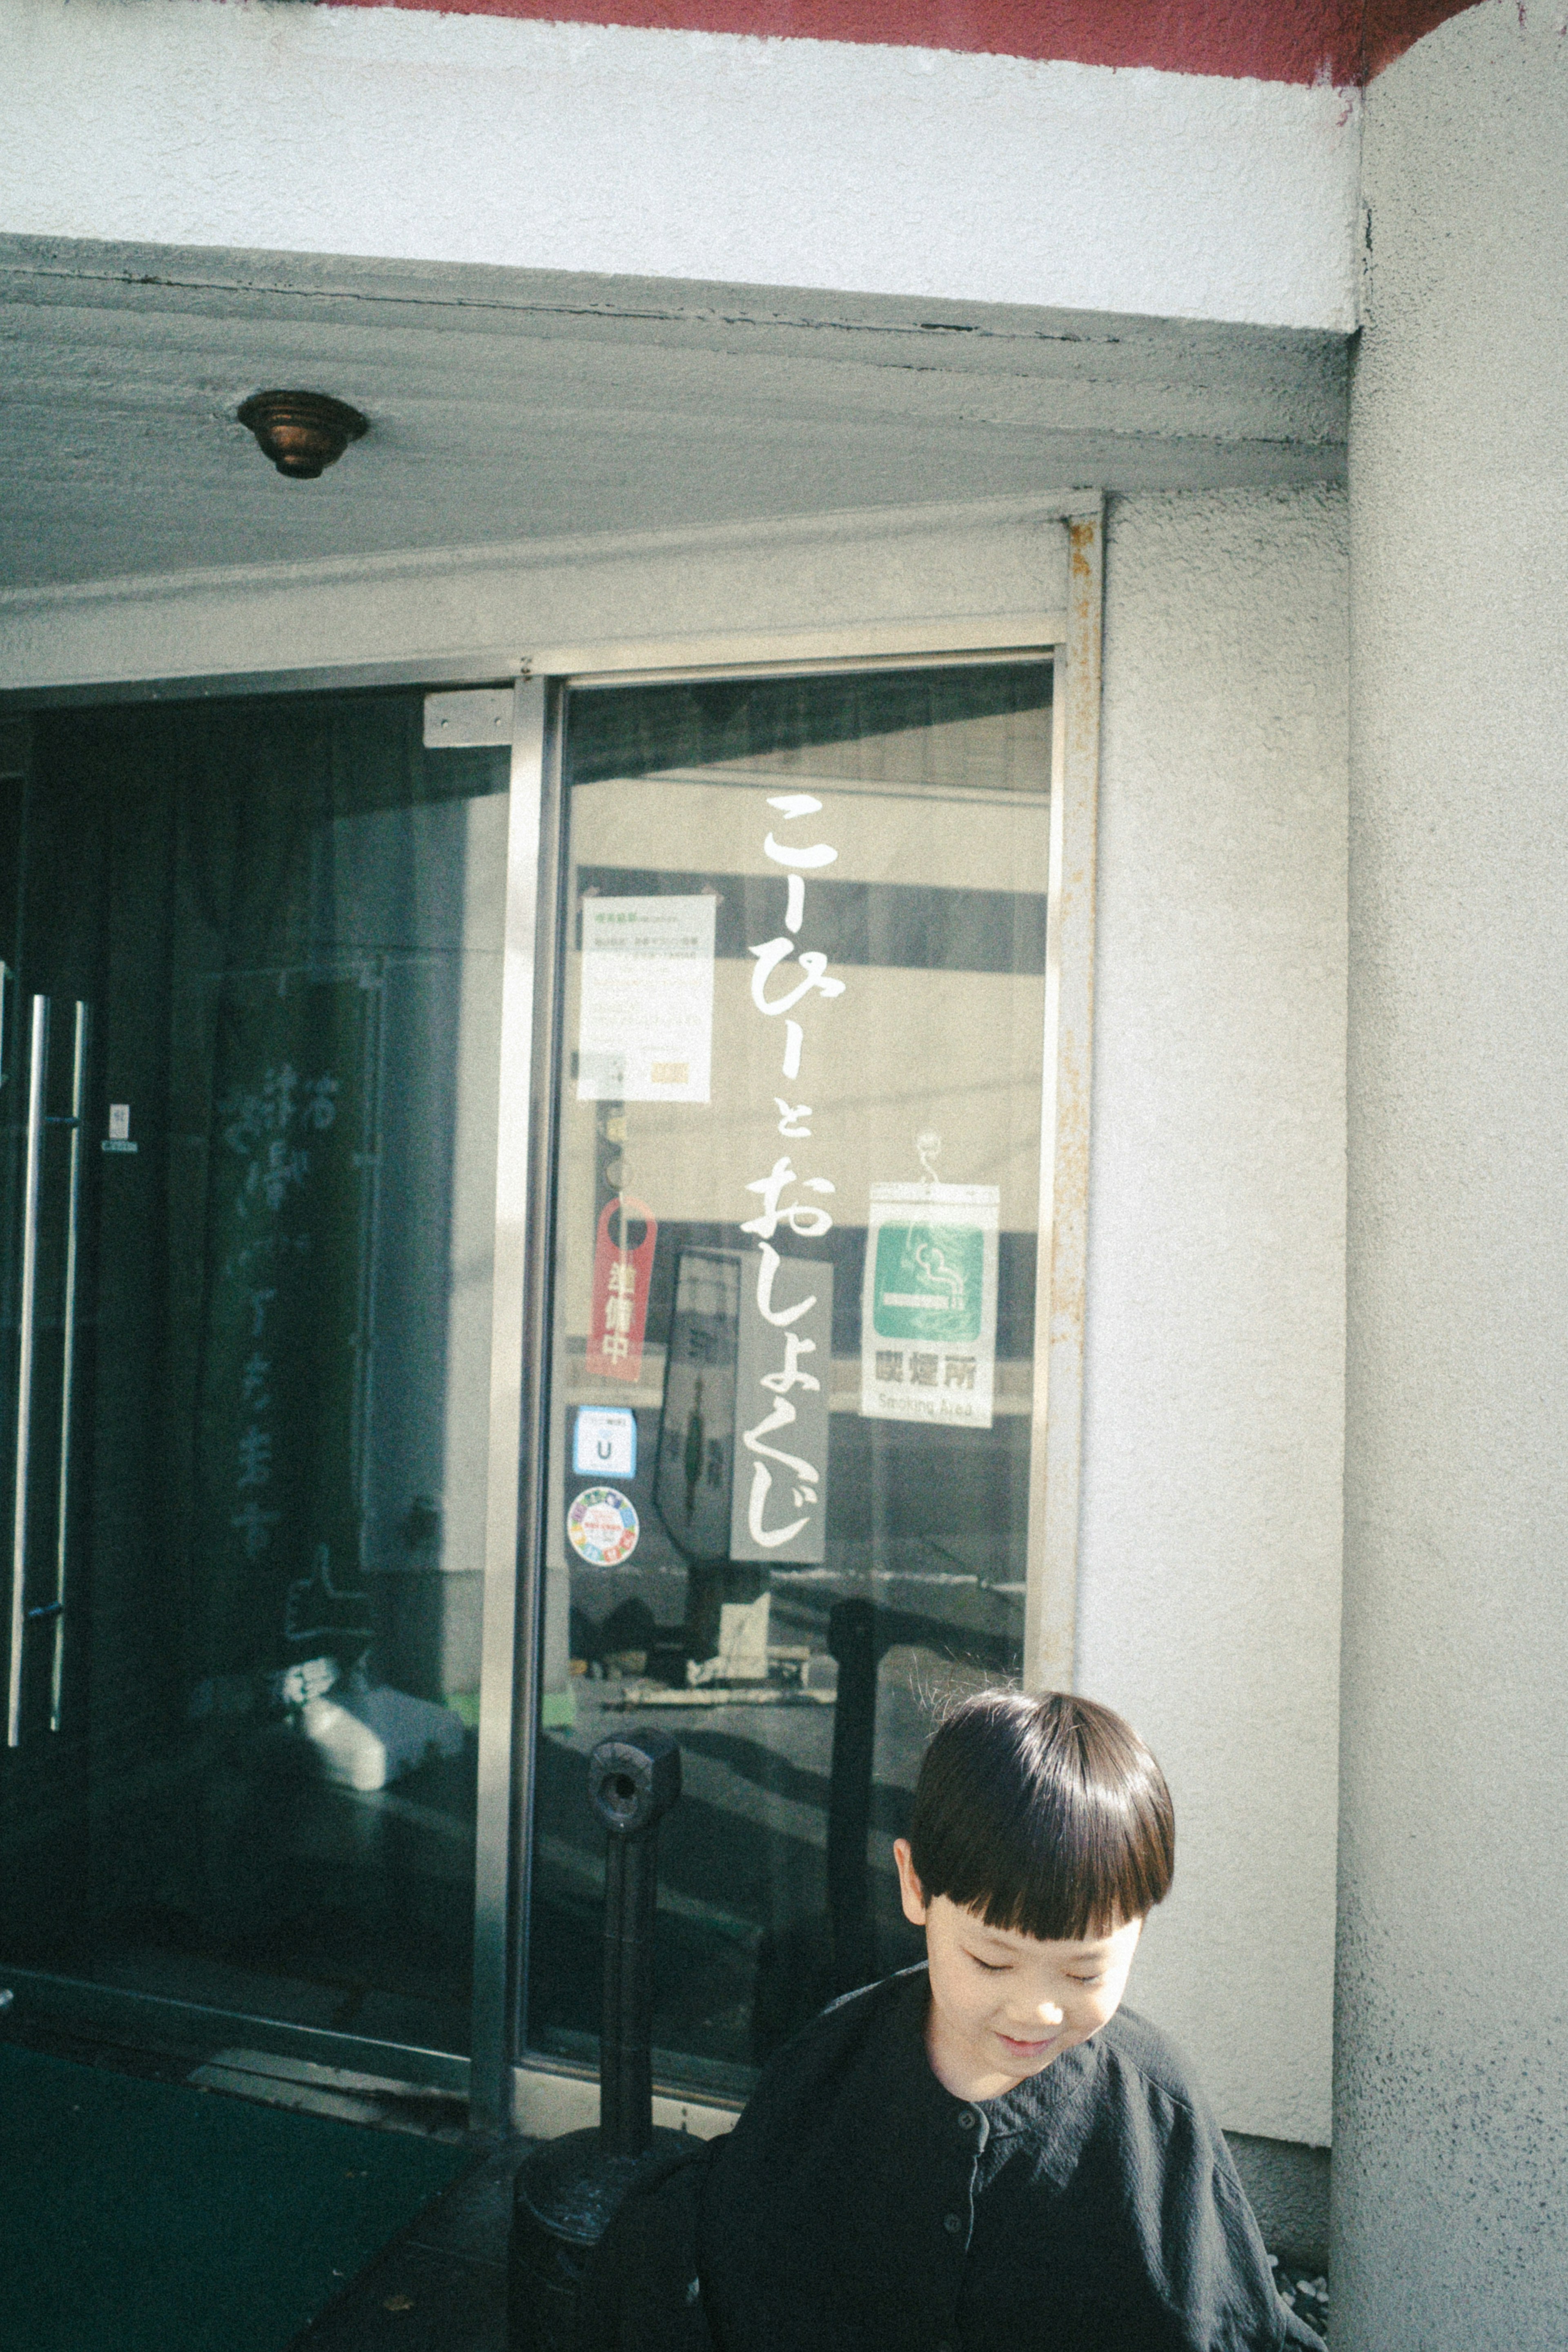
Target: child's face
[{"x": 1004, "y": 2005}]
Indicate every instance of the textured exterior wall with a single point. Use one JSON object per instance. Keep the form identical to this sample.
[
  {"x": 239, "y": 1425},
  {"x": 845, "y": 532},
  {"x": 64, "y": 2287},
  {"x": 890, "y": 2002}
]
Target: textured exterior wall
[
  {"x": 1451, "y": 2143},
  {"x": 672, "y": 154},
  {"x": 1208, "y": 1596}
]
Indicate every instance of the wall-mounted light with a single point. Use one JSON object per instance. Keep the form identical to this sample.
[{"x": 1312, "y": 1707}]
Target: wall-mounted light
[{"x": 302, "y": 432}]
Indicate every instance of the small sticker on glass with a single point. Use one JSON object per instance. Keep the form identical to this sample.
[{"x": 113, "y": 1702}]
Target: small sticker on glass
[
  {"x": 605, "y": 1442},
  {"x": 603, "y": 1526},
  {"x": 118, "y": 1135}
]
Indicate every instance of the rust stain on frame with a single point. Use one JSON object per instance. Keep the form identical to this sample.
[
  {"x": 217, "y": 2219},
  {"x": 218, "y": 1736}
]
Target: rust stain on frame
[{"x": 1056, "y": 1455}]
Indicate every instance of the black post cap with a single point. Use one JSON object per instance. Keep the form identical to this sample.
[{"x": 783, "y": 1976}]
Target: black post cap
[{"x": 633, "y": 1781}]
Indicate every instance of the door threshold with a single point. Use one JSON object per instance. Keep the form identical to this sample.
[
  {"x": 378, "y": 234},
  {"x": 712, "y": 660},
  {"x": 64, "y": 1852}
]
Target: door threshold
[
  {"x": 173, "y": 2037},
  {"x": 344, "y": 2094},
  {"x": 341, "y": 2092}
]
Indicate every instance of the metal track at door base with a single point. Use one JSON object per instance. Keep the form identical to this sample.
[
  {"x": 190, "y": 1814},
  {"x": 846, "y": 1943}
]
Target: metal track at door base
[{"x": 214, "y": 2036}]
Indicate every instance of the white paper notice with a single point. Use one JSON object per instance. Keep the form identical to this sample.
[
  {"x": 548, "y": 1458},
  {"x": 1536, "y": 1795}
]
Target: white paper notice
[{"x": 646, "y": 1028}]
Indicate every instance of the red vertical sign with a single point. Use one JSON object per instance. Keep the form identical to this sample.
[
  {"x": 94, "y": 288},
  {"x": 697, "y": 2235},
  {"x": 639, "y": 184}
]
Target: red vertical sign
[{"x": 622, "y": 1274}]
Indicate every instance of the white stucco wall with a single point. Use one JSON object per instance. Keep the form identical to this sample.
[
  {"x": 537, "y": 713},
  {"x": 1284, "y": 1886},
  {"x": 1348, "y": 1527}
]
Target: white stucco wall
[
  {"x": 1208, "y": 1596},
  {"x": 398, "y": 132},
  {"x": 1451, "y": 2139}
]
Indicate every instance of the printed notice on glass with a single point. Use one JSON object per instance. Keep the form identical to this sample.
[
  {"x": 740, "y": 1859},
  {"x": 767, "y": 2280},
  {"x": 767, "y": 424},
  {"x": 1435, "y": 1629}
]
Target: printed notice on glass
[
  {"x": 645, "y": 1033},
  {"x": 928, "y": 1311}
]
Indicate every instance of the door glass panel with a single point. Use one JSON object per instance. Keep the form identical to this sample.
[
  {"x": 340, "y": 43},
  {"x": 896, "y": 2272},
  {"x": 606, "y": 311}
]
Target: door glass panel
[
  {"x": 795, "y": 1228},
  {"x": 256, "y": 1791}
]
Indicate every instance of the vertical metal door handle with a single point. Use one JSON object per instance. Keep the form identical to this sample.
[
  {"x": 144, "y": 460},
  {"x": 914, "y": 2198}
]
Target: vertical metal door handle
[
  {"x": 37, "y": 1074},
  {"x": 68, "y": 1356}
]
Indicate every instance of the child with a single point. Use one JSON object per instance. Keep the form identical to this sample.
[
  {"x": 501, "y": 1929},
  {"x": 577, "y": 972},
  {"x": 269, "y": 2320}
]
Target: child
[{"x": 985, "y": 2154}]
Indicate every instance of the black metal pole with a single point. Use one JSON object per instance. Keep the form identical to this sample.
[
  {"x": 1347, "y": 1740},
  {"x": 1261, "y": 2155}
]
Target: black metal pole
[
  {"x": 632, "y": 1783},
  {"x": 625, "y": 2067},
  {"x": 567, "y": 2189},
  {"x": 856, "y": 1640}
]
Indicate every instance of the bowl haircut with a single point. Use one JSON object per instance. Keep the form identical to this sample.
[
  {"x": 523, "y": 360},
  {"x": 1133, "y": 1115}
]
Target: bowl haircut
[{"x": 1048, "y": 1816}]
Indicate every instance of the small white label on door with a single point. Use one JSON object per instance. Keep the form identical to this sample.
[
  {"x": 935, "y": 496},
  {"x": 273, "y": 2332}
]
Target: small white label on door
[
  {"x": 605, "y": 1442},
  {"x": 119, "y": 1122}
]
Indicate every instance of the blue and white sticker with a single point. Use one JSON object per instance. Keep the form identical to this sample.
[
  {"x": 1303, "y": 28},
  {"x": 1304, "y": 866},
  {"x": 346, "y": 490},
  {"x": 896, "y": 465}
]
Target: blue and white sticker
[{"x": 604, "y": 1442}]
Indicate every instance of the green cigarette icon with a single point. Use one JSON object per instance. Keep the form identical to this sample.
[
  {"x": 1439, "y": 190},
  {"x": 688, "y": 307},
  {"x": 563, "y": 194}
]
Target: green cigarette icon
[{"x": 926, "y": 1282}]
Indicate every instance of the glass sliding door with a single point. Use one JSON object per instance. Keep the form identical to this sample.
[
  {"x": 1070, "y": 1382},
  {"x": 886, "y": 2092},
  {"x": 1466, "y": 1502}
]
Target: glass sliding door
[
  {"x": 789, "y": 1394},
  {"x": 246, "y": 1247}
]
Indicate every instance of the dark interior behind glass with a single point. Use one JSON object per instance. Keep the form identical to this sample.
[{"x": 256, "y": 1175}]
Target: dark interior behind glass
[{"x": 244, "y": 1769}]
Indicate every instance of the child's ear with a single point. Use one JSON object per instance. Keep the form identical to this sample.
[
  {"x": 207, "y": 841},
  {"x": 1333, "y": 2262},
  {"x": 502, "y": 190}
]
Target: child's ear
[{"x": 911, "y": 1893}]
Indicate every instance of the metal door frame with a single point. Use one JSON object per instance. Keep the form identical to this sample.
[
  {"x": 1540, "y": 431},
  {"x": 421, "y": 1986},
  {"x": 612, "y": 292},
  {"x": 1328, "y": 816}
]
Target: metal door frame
[
  {"x": 546, "y": 2095},
  {"x": 505, "y": 2085}
]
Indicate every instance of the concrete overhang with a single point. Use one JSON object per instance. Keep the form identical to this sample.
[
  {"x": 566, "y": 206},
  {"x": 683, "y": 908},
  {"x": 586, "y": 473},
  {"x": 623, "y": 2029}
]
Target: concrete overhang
[{"x": 517, "y": 407}]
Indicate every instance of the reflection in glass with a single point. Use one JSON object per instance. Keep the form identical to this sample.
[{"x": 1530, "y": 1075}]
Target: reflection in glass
[
  {"x": 795, "y": 1210},
  {"x": 286, "y": 916}
]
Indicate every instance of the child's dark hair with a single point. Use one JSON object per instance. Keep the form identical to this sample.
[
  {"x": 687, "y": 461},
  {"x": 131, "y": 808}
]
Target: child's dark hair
[{"x": 1048, "y": 1816}]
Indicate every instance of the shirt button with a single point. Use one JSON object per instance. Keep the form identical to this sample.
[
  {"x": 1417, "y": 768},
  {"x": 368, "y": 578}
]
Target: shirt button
[
  {"x": 955, "y": 2221},
  {"x": 967, "y": 2119}
]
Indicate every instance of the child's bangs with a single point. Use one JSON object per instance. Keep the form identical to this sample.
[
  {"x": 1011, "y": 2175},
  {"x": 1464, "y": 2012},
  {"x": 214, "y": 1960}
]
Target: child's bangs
[
  {"x": 1048, "y": 1817},
  {"x": 1098, "y": 1873}
]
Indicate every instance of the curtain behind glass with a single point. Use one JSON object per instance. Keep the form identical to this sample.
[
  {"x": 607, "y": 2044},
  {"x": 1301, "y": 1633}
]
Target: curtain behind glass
[
  {"x": 183, "y": 878},
  {"x": 265, "y": 904}
]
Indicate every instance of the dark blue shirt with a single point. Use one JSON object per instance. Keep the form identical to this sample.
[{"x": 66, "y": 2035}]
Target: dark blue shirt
[{"x": 860, "y": 2207}]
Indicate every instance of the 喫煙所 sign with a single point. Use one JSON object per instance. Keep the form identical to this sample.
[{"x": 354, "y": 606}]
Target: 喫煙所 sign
[{"x": 928, "y": 1314}]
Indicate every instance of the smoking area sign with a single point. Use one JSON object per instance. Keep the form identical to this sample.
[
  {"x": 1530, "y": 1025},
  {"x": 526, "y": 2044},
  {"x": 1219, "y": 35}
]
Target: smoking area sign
[{"x": 928, "y": 1315}]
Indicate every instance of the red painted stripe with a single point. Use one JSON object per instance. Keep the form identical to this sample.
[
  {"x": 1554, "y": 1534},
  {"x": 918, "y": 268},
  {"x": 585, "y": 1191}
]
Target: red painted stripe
[
  {"x": 1395, "y": 25},
  {"x": 1342, "y": 41}
]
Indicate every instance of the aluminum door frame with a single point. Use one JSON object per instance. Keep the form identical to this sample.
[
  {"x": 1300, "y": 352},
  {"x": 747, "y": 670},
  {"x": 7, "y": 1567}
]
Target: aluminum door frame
[
  {"x": 505, "y": 2085},
  {"x": 547, "y": 2095}
]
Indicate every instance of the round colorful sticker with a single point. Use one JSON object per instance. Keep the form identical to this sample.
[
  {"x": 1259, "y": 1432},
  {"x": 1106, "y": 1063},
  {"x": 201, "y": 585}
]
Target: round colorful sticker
[{"x": 602, "y": 1525}]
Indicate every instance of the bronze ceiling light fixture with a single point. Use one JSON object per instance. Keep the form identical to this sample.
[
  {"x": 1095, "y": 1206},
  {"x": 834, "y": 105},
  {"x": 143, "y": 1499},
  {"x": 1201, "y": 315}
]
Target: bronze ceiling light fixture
[{"x": 302, "y": 432}]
